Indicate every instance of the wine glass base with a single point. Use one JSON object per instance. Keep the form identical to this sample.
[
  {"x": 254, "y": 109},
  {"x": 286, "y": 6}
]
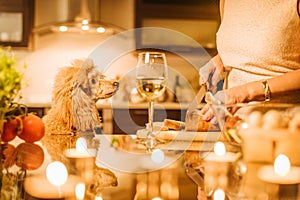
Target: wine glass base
[{"x": 150, "y": 143}]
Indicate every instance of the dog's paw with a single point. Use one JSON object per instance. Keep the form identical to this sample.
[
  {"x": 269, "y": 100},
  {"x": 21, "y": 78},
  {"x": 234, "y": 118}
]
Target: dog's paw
[{"x": 102, "y": 178}]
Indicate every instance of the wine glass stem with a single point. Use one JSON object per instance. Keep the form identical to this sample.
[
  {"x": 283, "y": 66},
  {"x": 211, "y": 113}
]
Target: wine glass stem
[{"x": 150, "y": 118}]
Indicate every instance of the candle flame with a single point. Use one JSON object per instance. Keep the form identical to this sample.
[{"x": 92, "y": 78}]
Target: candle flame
[
  {"x": 100, "y": 29},
  {"x": 80, "y": 191},
  {"x": 85, "y": 27},
  {"x": 63, "y": 28},
  {"x": 219, "y": 149},
  {"x": 219, "y": 194},
  {"x": 147, "y": 57},
  {"x": 282, "y": 165},
  {"x": 81, "y": 145},
  {"x": 85, "y": 22},
  {"x": 57, "y": 173}
]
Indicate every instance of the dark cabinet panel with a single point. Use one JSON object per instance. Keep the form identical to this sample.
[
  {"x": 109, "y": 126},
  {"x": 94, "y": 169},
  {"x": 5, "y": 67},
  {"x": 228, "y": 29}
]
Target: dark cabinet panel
[
  {"x": 16, "y": 19},
  {"x": 128, "y": 121},
  {"x": 190, "y": 19},
  {"x": 39, "y": 111}
]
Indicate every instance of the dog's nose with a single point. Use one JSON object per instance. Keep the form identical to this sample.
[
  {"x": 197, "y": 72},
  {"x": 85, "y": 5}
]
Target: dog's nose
[{"x": 116, "y": 84}]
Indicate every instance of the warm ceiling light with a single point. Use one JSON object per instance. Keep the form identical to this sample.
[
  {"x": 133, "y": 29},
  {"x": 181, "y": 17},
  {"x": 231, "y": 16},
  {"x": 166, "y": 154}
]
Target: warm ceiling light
[
  {"x": 100, "y": 29},
  {"x": 63, "y": 28}
]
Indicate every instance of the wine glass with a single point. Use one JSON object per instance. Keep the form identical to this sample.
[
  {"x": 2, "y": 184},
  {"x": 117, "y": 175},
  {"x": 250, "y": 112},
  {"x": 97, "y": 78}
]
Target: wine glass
[{"x": 151, "y": 76}]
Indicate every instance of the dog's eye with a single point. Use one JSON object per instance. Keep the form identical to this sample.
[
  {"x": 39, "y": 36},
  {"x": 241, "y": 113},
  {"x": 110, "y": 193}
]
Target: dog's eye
[{"x": 93, "y": 81}]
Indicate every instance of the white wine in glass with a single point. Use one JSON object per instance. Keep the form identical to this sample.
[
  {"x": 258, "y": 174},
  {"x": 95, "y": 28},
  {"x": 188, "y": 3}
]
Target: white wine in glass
[
  {"x": 151, "y": 76},
  {"x": 151, "y": 88}
]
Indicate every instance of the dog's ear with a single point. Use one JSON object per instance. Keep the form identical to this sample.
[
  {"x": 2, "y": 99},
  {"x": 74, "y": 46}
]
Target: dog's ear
[{"x": 82, "y": 79}]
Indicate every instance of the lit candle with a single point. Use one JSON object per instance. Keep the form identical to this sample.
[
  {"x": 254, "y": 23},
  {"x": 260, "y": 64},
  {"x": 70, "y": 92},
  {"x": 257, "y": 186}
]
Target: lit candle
[
  {"x": 57, "y": 173},
  {"x": 218, "y": 165},
  {"x": 81, "y": 150},
  {"x": 219, "y": 194},
  {"x": 220, "y": 149},
  {"x": 47, "y": 190},
  {"x": 80, "y": 191},
  {"x": 82, "y": 160},
  {"x": 281, "y": 172},
  {"x": 220, "y": 154},
  {"x": 98, "y": 198},
  {"x": 282, "y": 165}
]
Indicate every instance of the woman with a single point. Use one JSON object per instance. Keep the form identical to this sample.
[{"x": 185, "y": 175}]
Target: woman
[{"x": 258, "y": 46}]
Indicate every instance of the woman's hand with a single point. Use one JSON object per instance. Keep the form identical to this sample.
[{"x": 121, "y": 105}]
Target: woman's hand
[
  {"x": 211, "y": 73},
  {"x": 239, "y": 94}
]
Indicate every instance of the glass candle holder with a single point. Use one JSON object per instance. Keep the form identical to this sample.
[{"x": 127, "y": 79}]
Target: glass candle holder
[{"x": 81, "y": 160}]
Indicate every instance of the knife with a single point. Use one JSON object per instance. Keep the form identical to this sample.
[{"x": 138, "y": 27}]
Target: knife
[
  {"x": 198, "y": 99},
  {"x": 197, "y": 177}
]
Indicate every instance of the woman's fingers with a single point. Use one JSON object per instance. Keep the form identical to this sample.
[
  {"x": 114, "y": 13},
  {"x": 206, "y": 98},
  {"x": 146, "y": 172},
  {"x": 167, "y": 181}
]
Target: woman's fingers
[{"x": 207, "y": 113}]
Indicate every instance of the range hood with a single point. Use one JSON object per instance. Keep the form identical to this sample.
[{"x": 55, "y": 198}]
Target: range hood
[
  {"x": 57, "y": 44},
  {"x": 84, "y": 22}
]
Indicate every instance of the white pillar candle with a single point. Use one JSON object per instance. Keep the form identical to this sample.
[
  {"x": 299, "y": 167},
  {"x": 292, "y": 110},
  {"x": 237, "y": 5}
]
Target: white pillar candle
[{"x": 82, "y": 160}]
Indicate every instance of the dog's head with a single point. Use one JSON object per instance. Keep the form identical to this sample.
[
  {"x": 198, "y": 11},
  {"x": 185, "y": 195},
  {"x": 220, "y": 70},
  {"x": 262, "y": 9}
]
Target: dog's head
[
  {"x": 75, "y": 92},
  {"x": 93, "y": 83}
]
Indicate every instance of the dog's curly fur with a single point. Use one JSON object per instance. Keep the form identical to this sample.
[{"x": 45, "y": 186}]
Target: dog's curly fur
[
  {"x": 73, "y": 112},
  {"x": 75, "y": 93}
]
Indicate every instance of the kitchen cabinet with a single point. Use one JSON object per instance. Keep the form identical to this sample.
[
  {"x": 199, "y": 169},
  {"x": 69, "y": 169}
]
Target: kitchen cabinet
[
  {"x": 198, "y": 19},
  {"x": 39, "y": 111},
  {"x": 129, "y": 121},
  {"x": 16, "y": 19},
  {"x": 121, "y": 117}
]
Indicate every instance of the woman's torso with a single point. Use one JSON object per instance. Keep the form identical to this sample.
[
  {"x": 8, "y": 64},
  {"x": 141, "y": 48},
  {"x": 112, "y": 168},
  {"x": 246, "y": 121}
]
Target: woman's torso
[{"x": 259, "y": 39}]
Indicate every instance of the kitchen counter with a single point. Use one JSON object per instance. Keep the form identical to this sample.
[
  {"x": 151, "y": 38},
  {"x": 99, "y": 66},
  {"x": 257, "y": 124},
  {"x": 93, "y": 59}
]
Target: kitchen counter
[
  {"x": 105, "y": 104},
  {"x": 124, "y": 117},
  {"x": 40, "y": 106},
  {"x": 120, "y": 116},
  {"x": 109, "y": 103},
  {"x": 37, "y": 102}
]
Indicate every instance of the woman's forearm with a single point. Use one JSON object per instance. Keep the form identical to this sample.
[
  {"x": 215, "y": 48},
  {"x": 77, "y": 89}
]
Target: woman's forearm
[
  {"x": 288, "y": 82},
  {"x": 254, "y": 91}
]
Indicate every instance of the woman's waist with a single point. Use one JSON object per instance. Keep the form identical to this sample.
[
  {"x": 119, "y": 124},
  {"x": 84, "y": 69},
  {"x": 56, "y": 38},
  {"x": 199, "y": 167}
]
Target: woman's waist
[{"x": 235, "y": 76}]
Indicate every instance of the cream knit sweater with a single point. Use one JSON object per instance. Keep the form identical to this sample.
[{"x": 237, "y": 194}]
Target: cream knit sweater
[{"x": 259, "y": 39}]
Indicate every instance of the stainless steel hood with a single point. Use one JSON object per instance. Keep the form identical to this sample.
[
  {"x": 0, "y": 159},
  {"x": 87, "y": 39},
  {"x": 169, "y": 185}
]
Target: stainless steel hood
[
  {"x": 81, "y": 17},
  {"x": 55, "y": 47}
]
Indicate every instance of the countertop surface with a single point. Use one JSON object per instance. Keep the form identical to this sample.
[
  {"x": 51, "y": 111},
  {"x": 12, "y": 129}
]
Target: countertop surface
[
  {"x": 143, "y": 105},
  {"x": 109, "y": 103}
]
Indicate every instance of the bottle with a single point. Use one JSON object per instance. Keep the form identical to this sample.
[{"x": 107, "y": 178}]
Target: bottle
[{"x": 177, "y": 90}]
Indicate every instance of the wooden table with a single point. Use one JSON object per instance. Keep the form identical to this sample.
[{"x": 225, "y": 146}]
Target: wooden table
[
  {"x": 138, "y": 167},
  {"x": 144, "y": 175}
]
